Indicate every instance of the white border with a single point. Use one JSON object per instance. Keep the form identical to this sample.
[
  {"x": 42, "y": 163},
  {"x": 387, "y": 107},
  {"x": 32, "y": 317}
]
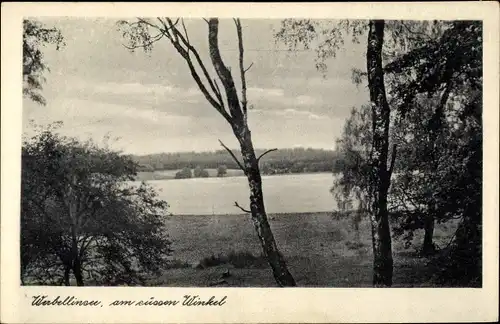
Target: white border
[{"x": 250, "y": 304}]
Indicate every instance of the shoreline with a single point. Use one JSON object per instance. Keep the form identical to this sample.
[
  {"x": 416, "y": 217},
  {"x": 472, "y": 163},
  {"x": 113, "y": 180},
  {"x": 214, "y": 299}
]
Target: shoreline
[
  {"x": 160, "y": 178},
  {"x": 283, "y": 214}
]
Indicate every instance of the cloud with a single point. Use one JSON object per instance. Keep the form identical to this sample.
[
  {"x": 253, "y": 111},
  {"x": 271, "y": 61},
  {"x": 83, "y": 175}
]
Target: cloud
[
  {"x": 290, "y": 112},
  {"x": 135, "y": 89},
  {"x": 151, "y": 96},
  {"x": 263, "y": 93},
  {"x": 303, "y": 113},
  {"x": 132, "y": 88},
  {"x": 303, "y": 100},
  {"x": 276, "y": 95}
]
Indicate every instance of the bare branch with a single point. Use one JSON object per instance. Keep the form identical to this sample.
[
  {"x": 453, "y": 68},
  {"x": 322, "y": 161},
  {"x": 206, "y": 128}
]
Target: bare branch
[
  {"x": 242, "y": 69},
  {"x": 144, "y": 21},
  {"x": 218, "y": 93},
  {"x": 165, "y": 29},
  {"x": 416, "y": 33},
  {"x": 243, "y": 209},
  {"x": 185, "y": 40},
  {"x": 85, "y": 245},
  {"x": 174, "y": 30},
  {"x": 223, "y": 72},
  {"x": 146, "y": 45},
  {"x": 233, "y": 156},
  {"x": 268, "y": 151},
  {"x": 248, "y": 68},
  {"x": 176, "y": 38},
  {"x": 185, "y": 31},
  {"x": 206, "y": 20}
]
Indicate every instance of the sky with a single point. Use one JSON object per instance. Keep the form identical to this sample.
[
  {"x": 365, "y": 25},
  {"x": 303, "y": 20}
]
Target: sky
[{"x": 149, "y": 103}]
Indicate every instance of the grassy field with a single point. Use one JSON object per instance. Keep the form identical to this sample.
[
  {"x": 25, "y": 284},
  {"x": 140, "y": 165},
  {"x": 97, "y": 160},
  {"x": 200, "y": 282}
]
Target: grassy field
[{"x": 320, "y": 252}]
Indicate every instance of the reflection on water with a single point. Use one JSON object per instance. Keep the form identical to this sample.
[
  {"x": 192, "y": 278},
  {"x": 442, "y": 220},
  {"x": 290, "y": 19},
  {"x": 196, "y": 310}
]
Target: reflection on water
[{"x": 216, "y": 196}]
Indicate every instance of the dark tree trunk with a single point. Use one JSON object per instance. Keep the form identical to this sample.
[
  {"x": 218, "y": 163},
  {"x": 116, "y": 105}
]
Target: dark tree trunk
[
  {"x": 251, "y": 164},
  {"x": 428, "y": 246},
  {"x": 380, "y": 174},
  {"x": 75, "y": 255},
  {"x": 468, "y": 245},
  {"x": 77, "y": 271},
  {"x": 67, "y": 270},
  {"x": 468, "y": 250}
]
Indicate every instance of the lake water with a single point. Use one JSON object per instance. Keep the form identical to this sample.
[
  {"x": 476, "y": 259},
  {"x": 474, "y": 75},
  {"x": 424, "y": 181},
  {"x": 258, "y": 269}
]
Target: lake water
[{"x": 216, "y": 196}]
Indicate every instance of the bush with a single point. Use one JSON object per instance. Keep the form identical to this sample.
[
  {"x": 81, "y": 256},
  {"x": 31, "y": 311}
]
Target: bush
[
  {"x": 200, "y": 173},
  {"x": 221, "y": 170},
  {"x": 184, "y": 174}
]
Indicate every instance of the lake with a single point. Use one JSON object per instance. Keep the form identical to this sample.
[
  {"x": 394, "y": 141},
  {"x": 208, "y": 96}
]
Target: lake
[{"x": 291, "y": 193}]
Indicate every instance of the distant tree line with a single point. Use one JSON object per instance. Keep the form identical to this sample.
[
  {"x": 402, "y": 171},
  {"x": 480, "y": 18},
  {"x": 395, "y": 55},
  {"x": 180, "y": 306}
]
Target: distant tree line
[{"x": 296, "y": 160}]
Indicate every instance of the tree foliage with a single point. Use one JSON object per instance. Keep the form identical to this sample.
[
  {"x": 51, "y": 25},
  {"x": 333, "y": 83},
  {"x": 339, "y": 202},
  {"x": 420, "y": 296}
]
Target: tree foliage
[
  {"x": 328, "y": 37},
  {"x": 200, "y": 173},
  {"x": 185, "y": 173},
  {"x": 35, "y": 37},
  {"x": 81, "y": 213},
  {"x": 222, "y": 170},
  {"x": 433, "y": 76}
]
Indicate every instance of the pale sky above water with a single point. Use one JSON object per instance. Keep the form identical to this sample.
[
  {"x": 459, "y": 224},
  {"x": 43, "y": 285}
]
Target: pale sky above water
[{"x": 151, "y": 103}]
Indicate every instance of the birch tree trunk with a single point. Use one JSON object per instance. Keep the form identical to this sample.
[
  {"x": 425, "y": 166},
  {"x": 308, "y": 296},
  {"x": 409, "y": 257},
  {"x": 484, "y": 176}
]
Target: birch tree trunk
[
  {"x": 238, "y": 121},
  {"x": 380, "y": 175},
  {"x": 259, "y": 216}
]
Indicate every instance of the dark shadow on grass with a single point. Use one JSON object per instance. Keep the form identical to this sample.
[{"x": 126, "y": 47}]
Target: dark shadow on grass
[{"x": 239, "y": 260}]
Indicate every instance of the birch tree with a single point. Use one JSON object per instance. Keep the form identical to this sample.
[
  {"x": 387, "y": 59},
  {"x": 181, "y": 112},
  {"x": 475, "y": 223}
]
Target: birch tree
[
  {"x": 430, "y": 65},
  {"x": 380, "y": 166},
  {"x": 230, "y": 103}
]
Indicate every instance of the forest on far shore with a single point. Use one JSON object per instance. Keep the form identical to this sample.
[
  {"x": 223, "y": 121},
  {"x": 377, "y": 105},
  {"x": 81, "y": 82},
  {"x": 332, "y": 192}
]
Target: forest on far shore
[{"x": 288, "y": 160}]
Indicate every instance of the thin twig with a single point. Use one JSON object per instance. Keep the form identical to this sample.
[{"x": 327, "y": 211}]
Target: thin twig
[
  {"x": 233, "y": 156},
  {"x": 248, "y": 68},
  {"x": 185, "y": 31},
  {"x": 268, "y": 151},
  {"x": 131, "y": 48},
  {"x": 243, "y": 209}
]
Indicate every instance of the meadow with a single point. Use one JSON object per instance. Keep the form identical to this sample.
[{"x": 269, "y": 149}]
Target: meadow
[
  {"x": 211, "y": 238},
  {"x": 320, "y": 250}
]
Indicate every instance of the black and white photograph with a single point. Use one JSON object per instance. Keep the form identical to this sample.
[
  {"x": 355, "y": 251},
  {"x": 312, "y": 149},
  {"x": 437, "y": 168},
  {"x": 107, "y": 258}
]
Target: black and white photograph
[{"x": 234, "y": 152}]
